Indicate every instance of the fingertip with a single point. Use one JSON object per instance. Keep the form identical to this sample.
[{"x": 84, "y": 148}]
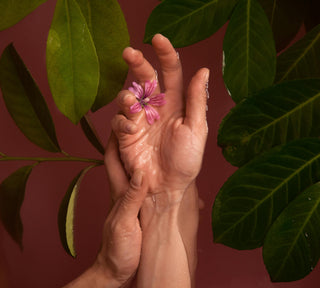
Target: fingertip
[
  {"x": 137, "y": 179},
  {"x": 131, "y": 55}
]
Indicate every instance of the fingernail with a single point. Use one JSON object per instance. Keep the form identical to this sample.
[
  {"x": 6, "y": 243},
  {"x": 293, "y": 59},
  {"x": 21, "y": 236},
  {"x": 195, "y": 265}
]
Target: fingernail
[
  {"x": 207, "y": 83},
  {"x": 136, "y": 179},
  {"x": 178, "y": 55}
]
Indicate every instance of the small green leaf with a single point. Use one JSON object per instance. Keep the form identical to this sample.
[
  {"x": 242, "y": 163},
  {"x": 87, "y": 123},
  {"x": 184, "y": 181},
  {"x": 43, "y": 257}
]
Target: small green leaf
[
  {"x": 67, "y": 211},
  {"x": 249, "y": 51},
  {"x": 186, "y": 22},
  {"x": 12, "y": 11},
  {"x": 12, "y": 191},
  {"x": 72, "y": 62},
  {"x": 292, "y": 245},
  {"x": 25, "y": 102},
  {"x": 91, "y": 134},
  {"x": 255, "y": 195},
  {"x": 279, "y": 114},
  {"x": 110, "y": 35},
  {"x": 285, "y": 17},
  {"x": 301, "y": 60}
]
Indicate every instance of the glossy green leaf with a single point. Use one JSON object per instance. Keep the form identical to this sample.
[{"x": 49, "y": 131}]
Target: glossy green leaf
[
  {"x": 279, "y": 114},
  {"x": 25, "y": 102},
  {"x": 186, "y": 22},
  {"x": 285, "y": 17},
  {"x": 91, "y": 134},
  {"x": 67, "y": 211},
  {"x": 72, "y": 62},
  {"x": 292, "y": 246},
  {"x": 254, "y": 196},
  {"x": 312, "y": 18},
  {"x": 249, "y": 51},
  {"x": 12, "y": 191},
  {"x": 301, "y": 60},
  {"x": 110, "y": 35},
  {"x": 12, "y": 11}
]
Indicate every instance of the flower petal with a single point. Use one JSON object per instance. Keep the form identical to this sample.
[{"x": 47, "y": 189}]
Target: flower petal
[
  {"x": 135, "y": 108},
  {"x": 151, "y": 113},
  {"x": 157, "y": 100},
  {"x": 149, "y": 87},
  {"x": 137, "y": 90}
]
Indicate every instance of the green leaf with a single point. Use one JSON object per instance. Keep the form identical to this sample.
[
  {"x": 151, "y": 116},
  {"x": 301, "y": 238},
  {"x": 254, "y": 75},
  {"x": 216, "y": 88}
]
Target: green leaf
[
  {"x": 12, "y": 11},
  {"x": 72, "y": 62},
  {"x": 12, "y": 191},
  {"x": 186, "y": 22},
  {"x": 25, "y": 102},
  {"x": 249, "y": 51},
  {"x": 254, "y": 196},
  {"x": 301, "y": 60},
  {"x": 91, "y": 134},
  {"x": 312, "y": 18},
  {"x": 292, "y": 245},
  {"x": 285, "y": 17},
  {"x": 67, "y": 211},
  {"x": 110, "y": 35},
  {"x": 279, "y": 114}
]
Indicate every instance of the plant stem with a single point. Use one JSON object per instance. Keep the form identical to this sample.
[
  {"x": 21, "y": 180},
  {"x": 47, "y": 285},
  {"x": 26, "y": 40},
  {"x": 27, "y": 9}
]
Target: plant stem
[{"x": 51, "y": 159}]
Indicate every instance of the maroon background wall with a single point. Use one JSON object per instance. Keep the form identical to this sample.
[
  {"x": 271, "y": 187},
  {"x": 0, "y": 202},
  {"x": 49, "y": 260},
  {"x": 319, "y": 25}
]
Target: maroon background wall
[{"x": 43, "y": 262}]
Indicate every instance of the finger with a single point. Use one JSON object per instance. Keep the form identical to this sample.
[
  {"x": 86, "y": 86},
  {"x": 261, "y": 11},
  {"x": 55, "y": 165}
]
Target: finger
[
  {"x": 132, "y": 201},
  {"x": 127, "y": 102},
  {"x": 121, "y": 125},
  {"x": 170, "y": 63},
  {"x": 197, "y": 100},
  {"x": 116, "y": 174},
  {"x": 141, "y": 68}
]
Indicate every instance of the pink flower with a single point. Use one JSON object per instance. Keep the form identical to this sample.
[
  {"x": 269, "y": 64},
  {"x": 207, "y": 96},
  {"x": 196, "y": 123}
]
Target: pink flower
[{"x": 146, "y": 99}]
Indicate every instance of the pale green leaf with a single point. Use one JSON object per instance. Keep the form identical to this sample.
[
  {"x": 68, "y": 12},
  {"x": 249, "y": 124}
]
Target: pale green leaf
[
  {"x": 249, "y": 51},
  {"x": 12, "y": 191},
  {"x": 110, "y": 35},
  {"x": 292, "y": 246},
  {"x": 255, "y": 195},
  {"x": 25, "y": 102},
  {"x": 72, "y": 62},
  {"x": 12, "y": 11}
]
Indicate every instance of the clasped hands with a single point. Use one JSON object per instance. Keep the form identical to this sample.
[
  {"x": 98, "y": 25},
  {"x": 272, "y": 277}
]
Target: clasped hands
[{"x": 150, "y": 234}]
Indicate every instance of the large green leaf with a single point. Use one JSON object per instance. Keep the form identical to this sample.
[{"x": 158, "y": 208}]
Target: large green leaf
[
  {"x": 281, "y": 113},
  {"x": 285, "y": 17},
  {"x": 249, "y": 51},
  {"x": 72, "y": 62},
  {"x": 66, "y": 213},
  {"x": 292, "y": 246},
  {"x": 12, "y": 191},
  {"x": 12, "y": 11},
  {"x": 25, "y": 102},
  {"x": 186, "y": 22},
  {"x": 301, "y": 60},
  {"x": 254, "y": 196},
  {"x": 110, "y": 35}
]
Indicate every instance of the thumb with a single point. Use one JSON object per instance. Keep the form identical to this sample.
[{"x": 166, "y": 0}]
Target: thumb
[
  {"x": 197, "y": 100},
  {"x": 134, "y": 197}
]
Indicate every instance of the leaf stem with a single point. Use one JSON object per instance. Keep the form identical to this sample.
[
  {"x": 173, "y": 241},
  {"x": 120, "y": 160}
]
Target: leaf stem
[
  {"x": 50, "y": 159},
  {"x": 2, "y": 154}
]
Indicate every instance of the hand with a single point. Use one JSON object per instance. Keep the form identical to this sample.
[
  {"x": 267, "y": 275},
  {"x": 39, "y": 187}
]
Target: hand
[{"x": 170, "y": 150}]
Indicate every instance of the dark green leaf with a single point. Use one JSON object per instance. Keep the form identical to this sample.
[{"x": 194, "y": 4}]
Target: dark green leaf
[
  {"x": 25, "y": 102},
  {"x": 91, "y": 134},
  {"x": 12, "y": 11},
  {"x": 12, "y": 191},
  {"x": 110, "y": 35},
  {"x": 279, "y": 114},
  {"x": 249, "y": 51},
  {"x": 301, "y": 60},
  {"x": 312, "y": 18},
  {"x": 72, "y": 62},
  {"x": 254, "y": 196},
  {"x": 292, "y": 245},
  {"x": 66, "y": 213},
  {"x": 186, "y": 22},
  {"x": 285, "y": 17}
]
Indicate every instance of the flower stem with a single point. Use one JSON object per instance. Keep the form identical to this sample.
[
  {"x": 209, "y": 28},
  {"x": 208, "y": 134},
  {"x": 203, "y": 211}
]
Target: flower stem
[{"x": 51, "y": 159}]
